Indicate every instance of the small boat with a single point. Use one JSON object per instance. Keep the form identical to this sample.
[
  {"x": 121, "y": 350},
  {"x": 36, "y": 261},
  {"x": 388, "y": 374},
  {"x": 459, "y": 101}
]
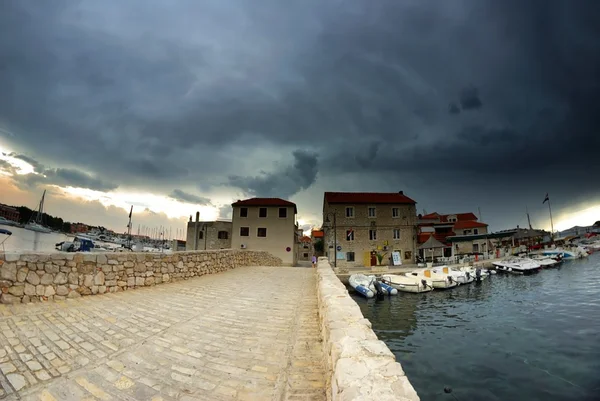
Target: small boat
[
  {"x": 79, "y": 244},
  {"x": 7, "y": 233},
  {"x": 517, "y": 265},
  {"x": 361, "y": 284},
  {"x": 546, "y": 261},
  {"x": 407, "y": 283},
  {"x": 460, "y": 276},
  {"x": 6, "y": 222},
  {"x": 369, "y": 286},
  {"x": 477, "y": 273},
  {"x": 575, "y": 252},
  {"x": 434, "y": 278}
]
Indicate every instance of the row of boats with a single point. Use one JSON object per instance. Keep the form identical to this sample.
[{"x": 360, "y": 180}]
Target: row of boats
[{"x": 445, "y": 277}]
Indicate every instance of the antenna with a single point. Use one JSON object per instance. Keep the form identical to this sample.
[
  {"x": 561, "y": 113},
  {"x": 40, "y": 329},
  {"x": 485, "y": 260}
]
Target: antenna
[{"x": 479, "y": 209}]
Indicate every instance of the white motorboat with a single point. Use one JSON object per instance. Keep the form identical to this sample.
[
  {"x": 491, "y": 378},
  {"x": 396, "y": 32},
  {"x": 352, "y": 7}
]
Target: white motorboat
[
  {"x": 546, "y": 261},
  {"x": 368, "y": 286},
  {"x": 7, "y": 233},
  {"x": 517, "y": 265},
  {"x": 460, "y": 276},
  {"x": 407, "y": 283},
  {"x": 434, "y": 278},
  {"x": 37, "y": 227},
  {"x": 476, "y": 272}
]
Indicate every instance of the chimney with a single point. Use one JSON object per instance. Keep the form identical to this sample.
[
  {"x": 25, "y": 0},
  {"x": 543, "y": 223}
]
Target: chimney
[
  {"x": 401, "y": 192},
  {"x": 197, "y": 216}
]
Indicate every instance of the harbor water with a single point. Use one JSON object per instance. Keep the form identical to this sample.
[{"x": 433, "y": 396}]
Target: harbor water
[
  {"x": 508, "y": 338},
  {"x": 27, "y": 240}
]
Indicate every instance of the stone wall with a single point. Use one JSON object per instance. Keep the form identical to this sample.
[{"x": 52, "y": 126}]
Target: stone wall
[
  {"x": 360, "y": 366},
  {"x": 34, "y": 277}
]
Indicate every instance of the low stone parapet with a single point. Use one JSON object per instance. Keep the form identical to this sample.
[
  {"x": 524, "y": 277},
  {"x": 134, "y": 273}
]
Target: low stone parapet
[
  {"x": 34, "y": 277},
  {"x": 360, "y": 366}
]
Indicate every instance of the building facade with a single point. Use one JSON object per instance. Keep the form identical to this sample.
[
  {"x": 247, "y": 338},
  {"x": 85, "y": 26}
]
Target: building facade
[
  {"x": 445, "y": 226},
  {"x": 266, "y": 224},
  {"x": 9, "y": 213},
  {"x": 203, "y": 235},
  {"x": 363, "y": 229}
]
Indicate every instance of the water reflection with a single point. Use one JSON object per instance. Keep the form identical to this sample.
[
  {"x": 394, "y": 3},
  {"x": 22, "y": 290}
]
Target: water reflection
[{"x": 509, "y": 337}]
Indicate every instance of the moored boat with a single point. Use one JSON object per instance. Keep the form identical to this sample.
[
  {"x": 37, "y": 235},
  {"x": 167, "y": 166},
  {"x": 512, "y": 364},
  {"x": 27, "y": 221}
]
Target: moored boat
[
  {"x": 407, "y": 283},
  {"x": 361, "y": 284},
  {"x": 515, "y": 265},
  {"x": 434, "y": 278}
]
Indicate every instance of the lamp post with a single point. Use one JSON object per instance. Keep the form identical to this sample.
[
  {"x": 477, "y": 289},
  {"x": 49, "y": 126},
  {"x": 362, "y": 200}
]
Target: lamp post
[{"x": 328, "y": 222}]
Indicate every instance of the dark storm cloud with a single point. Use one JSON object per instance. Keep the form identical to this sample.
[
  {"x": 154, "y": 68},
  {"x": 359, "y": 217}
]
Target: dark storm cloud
[
  {"x": 366, "y": 86},
  {"x": 37, "y": 166},
  {"x": 283, "y": 183},
  {"x": 64, "y": 177},
  {"x": 453, "y": 108},
  {"x": 180, "y": 195},
  {"x": 469, "y": 98},
  {"x": 225, "y": 212}
]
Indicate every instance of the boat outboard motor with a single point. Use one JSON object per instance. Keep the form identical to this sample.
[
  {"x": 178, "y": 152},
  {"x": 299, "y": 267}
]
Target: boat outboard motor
[
  {"x": 379, "y": 293},
  {"x": 478, "y": 274},
  {"x": 424, "y": 282},
  {"x": 468, "y": 275},
  {"x": 450, "y": 279}
]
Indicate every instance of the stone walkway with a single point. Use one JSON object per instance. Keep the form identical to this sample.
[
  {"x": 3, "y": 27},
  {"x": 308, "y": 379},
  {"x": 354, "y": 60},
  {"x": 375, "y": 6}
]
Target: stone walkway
[{"x": 248, "y": 334}]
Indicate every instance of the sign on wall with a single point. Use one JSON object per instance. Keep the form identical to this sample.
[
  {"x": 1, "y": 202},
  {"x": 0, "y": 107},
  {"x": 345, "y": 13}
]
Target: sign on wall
[{"x": 396, "y": 258}]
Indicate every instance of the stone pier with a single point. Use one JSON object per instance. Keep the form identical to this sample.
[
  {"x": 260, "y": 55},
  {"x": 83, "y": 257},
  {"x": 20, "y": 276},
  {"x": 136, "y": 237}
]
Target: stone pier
[{"x": 250, "y": 333}]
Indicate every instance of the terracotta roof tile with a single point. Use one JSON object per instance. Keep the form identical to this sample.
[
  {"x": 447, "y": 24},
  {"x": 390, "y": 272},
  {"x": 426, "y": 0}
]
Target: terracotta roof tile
[
  {"x": 368, "y": 197},
  {"x": 468, "y": 224},
  {"x": 317, "y": 233}
]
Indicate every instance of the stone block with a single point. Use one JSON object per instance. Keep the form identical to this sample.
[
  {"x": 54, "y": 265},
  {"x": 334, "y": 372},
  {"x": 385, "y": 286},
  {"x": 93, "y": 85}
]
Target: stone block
[
  {"x": 101, "y": 259},
  {"x": 149, "y": 281},
  {"x": 88, "y": 280},
  {"x": 26, "y": 299},
  {"x": 51, "y": 268},
  {"x": 8, "y": 271},
  {"x": 99, "y": 278},
  {"x": 29, "y": 289},
  {"x": 60, "y": 278},
  {"x": 85, "y": 268},
  {"x": 62, "y": 290},
  {"x": 73, "y": 278},
  {"x": 22, "y": 274},
  {"x": 5, "y": 284},
  {"x": 139, "y": 281},
  {"x": 49, "y": 291},
  {"x": 9, "y": 299},
  {"x": 17, "y": 290},
  {"x": 90, "y": 257},
  {"x": 131, "y": 281},
  {"x": 101, "y": 289},
  {"x": 74, "y": 294},
  {"x": 47, "y": 279},
  {"x": 39, "y": 290}
]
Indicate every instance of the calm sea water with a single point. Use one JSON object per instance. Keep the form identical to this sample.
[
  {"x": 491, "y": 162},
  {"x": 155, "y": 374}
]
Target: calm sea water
[
  {"x": 27, "y": 240},
  {"x": 509, "y": 338}
]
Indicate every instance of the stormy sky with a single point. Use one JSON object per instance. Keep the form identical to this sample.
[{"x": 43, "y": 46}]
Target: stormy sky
[{"x": 189, "y": 105}]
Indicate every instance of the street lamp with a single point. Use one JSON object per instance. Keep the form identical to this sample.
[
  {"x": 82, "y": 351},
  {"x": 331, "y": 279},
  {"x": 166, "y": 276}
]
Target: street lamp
[{"x": 327, "y": 223}]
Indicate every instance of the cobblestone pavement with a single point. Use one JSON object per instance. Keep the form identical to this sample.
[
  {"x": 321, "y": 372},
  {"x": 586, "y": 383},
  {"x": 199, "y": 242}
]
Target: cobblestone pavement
[{"x": 249, "y": 334}]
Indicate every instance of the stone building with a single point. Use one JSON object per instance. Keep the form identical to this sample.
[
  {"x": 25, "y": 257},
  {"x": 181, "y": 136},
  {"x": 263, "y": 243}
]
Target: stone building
[
  {"x": 442, "y": 227},
  {"x": 9, "y": 212},
  {"x": 202, "y": 235},
  {"x": 305, "y": 248},
  {"x": 369, "y": 227},
  {"x": 266, "y": 224}
]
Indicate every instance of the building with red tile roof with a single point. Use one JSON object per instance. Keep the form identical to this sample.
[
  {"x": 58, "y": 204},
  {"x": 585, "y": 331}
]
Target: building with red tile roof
[{"x": 364, "y": 228}]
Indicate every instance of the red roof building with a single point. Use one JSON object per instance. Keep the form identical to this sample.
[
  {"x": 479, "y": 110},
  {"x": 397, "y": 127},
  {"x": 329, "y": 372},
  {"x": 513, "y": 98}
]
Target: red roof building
[
  {"x": 447, "y": 225},
  {"x": 368, "y": 198}
]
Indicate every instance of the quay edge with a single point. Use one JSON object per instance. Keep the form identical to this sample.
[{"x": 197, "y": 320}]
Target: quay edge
[{"x": 359, "y": 365}]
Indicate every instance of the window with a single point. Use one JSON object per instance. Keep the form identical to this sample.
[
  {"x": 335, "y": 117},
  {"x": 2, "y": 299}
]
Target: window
[
  {"x": 350, "y": 235},
  {"x": 467, "y": 232},
  {"x": 372, "y": 212},
  {"x": 396, "y": 233},
  {"x": 475, "y": 248},
  {"x": 200, "y": 234},
  {"x": 349, "y": 212},
  {"x": 244, "y": 212},
  {"x": 283, "y": 212},
  {"x": 262, "y": 212},
  {"x": 305, "y": 255},
  {"x": 222, "y": 235},
  {"x": 244, "y": 231},
  {"x": 261, "y": 232},
  {"x": 349, "y": 256},
  {"x": 373, "y": 235},
  {"x": 475, "y": 231}
]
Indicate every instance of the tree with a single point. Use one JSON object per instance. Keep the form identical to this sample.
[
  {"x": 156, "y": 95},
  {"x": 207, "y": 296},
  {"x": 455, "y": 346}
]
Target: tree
[{"x": 319, "y": 246}]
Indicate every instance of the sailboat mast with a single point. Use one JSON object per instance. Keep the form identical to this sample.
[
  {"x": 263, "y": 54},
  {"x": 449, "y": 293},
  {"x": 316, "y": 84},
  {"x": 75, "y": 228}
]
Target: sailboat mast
[
  {"x": 38, "y": 218},
  {"x": 528, "y": 219}
]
